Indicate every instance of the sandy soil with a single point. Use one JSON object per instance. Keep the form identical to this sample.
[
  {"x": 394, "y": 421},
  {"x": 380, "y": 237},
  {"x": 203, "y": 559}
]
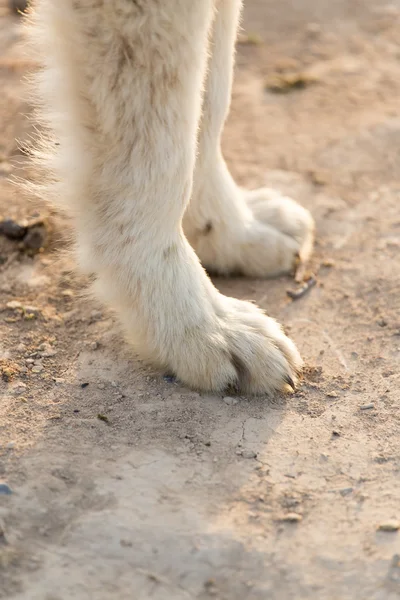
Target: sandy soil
[{"x": 128, "y": 486}]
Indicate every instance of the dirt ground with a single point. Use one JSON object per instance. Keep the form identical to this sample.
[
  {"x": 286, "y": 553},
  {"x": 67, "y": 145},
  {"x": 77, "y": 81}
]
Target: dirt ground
[{"x": 126, "y": 485}]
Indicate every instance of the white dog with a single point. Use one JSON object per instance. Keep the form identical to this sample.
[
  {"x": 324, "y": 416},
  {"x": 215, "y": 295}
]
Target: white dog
[{"x": 136, "y": 93}]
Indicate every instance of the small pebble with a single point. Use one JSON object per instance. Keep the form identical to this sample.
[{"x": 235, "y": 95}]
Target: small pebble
[
  {"x": 367, "y": 406},
  {"x": 46, "y": 351},
  {"x": 103, "y": 418},
  {"x": 248, "y": 454},
  {"x": 84, "y": 385},
  {"x": 346, "y": 491},
  {"x": 5, "y": 489},
  {"x": 230, "y": 401},
  {"x": 37, "y": 368},
  {"x": 291, "y": 518},
  {"x": 94, "y": 345},
  {"x": 14, "y": 304},
  {"x": 332, "y": 394},
  {"x": 389, "y": 526},
  {"x": 10, "y": 445},
  {"x": 101, "y": 386},
  {"x": 328, "y": 262},
  {"x": 33, "y": 310}
]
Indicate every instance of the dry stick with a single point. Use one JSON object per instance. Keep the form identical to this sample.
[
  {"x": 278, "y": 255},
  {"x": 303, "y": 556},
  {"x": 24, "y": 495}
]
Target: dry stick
[{"x": 302, "y": 290}]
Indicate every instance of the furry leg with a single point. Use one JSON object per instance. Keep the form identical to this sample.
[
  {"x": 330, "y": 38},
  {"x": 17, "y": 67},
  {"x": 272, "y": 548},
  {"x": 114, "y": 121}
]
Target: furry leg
[
  {"x": 257, "y": 233},
  {"x": 123, "y": 81}
]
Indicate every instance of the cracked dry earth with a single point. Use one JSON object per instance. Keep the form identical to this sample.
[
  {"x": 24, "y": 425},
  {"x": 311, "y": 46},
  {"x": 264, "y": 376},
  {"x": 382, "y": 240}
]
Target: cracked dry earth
[{"x": 129, "y": 486}]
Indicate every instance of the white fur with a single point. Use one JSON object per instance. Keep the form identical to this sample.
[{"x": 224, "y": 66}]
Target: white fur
[{"x": 122, "y": 85}]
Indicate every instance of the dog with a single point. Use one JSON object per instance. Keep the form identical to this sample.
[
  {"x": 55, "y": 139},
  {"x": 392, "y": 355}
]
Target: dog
[{"x": 133, "y": 96}]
